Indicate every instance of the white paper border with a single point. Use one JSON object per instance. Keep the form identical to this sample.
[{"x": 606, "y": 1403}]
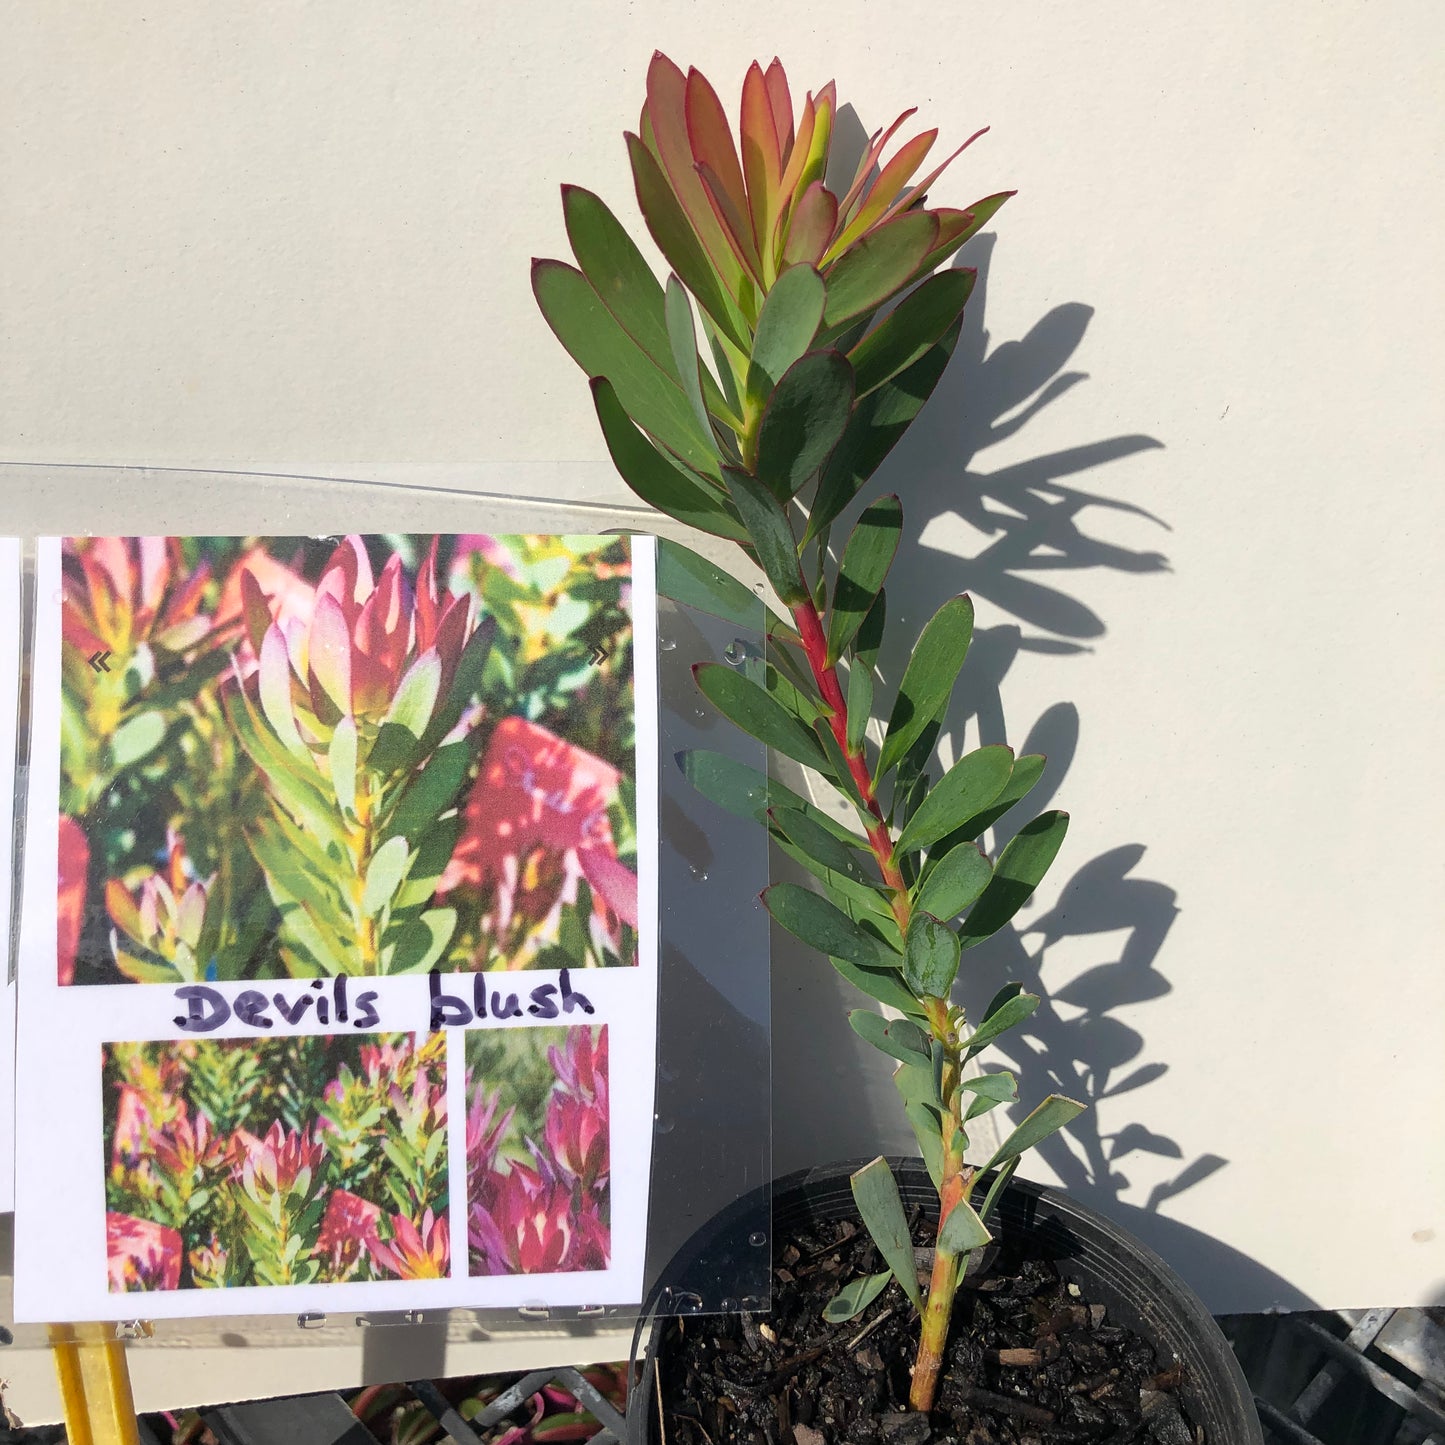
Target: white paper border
[{"x": 11, "y": 636}]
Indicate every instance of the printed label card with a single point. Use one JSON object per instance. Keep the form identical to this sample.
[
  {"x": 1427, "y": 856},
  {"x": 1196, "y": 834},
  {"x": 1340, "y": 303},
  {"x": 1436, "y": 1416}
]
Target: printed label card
[
  {"x": 339, "y": 944},
  {"x": 10, "y": 643}
]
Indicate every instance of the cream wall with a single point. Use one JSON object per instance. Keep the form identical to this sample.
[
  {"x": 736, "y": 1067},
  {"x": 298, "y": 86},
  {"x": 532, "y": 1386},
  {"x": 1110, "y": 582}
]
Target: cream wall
[{"x": 283, "y": 235}]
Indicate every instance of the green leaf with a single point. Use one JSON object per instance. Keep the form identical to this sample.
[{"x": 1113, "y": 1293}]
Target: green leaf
[
  {"x": 898, "y": 1038},
  {"x": 394, "y": 749},
  {"x": 786, "y": 326},
  {"x": 431, "y": 791},
  {"x": 928, "y": 679},
  {"x": 617, "y": 272},
  {"x": 341, "y": 763},
  {"x": 957, "y": 227},
  {"x": 421, "y": 943},
  {"x": 862, "y": 902},
  {"x": 300, "y": 923},
  {"x": 860, "y": 704},
  {"x": 963, "y": 1230},
  {"x": 137, "y": 737},
  {"x": 858, "y": 1294},
  {"x": 930, "y": 1139},
  {"x": 879, "y": 420},
  {"x": 836, "y": 769},
  {"x": 870, "y": 634},
  {"x": 599, "y": 345},
  {"x": 958, "y": 878},
  {"x": 866, "y": 560},
  {"x": 877, "y": 265},
  {"x": 884, "y": 985},
  {"x": 652, "y": 474},
  {"x": 1000, "y": 1183},
  {"x": 467, "y": 681},
  {"x": 930, "y": 956},
  {"x": 915, "y": 1084},
  {"x": 743, "y": 702},
  {"x": 875, "y": 1191},
  {"x": 819, "y": 842},
  {"x": 273, "y": 681},
  {"x": 430, "y": 855},
  {"x": 907, "y": 333},
  {"x": 416, "y": 695},
  {"x": 1020, "y": 867},
  {"x": 970, "y": 785},
  {"x": 1048, "y": 1118},
  {"x": 1008, "y": 1014},
  {"x": 685, "y": 577},
  {"x": 383, "y": 875},
  {"x": 683, "y": 340},
  {"x": 810, "y": 917},
  {"x": 989, "y": 1091},
  {"x": 748, "y": 793},
  {"x": 771, "y": 534},
  {"x": 803, "y": 421},
  {"x": 1027, "y": 770}
]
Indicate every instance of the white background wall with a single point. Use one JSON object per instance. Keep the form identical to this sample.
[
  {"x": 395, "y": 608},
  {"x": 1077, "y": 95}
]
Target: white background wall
[{"x": 271, "y": 233}]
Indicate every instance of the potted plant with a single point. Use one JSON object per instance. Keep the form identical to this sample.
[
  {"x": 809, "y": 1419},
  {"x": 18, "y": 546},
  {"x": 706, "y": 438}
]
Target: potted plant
[{"x": 827, "y": 316}]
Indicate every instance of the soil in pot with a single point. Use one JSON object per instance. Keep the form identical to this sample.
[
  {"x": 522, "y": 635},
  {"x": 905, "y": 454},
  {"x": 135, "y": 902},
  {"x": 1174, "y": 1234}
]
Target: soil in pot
[{"x": 1031, "y": 1361}]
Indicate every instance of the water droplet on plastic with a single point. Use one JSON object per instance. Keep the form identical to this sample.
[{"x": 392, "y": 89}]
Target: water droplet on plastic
[
  {"x": 757, "y": 1239},
  {"x": 728, "y": 1306},
  {"x": 735, "y": 652},
  {"x": 667, "y": 644},
  {"x": 662, "y": 1126}
]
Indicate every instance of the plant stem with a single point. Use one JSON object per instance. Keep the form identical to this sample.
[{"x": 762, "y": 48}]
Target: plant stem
[
  {"x": 957, "y": 1181},
  {"x": 825, "y": 674}
]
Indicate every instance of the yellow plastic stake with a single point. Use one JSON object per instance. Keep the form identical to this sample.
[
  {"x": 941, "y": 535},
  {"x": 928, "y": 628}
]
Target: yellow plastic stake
[{"x": 94, "y": 1385}]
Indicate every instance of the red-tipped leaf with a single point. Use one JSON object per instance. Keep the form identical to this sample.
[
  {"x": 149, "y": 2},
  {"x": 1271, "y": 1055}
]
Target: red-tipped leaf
[
  {"x": 885, "y": 190},
  {"x": 811, "y": 226},
  {"x": 678, "y": 242},
  {"x": 716, "y": 159},
  {"x": 667, "y": 113},
  {"x": 956, "y": 227},
  {"x": 762, "y": 154},
  {"x": 736, "y": 227},
  {"x": 877, "y": 144}
]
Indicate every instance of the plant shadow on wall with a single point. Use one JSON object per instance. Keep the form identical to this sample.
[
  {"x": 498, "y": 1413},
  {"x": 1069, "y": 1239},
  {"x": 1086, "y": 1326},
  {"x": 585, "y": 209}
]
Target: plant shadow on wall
[{"x": 1036, "y": 521}]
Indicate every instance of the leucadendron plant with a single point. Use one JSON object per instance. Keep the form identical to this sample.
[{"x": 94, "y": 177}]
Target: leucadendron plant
[{"x": 826, "y": 324}]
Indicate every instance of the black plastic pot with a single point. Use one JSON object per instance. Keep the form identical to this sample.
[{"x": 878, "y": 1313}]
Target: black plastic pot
[{"x": 1110, "y": 1267}]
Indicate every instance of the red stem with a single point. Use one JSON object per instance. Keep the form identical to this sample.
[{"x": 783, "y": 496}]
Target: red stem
[{"x": 825, "y": 674}]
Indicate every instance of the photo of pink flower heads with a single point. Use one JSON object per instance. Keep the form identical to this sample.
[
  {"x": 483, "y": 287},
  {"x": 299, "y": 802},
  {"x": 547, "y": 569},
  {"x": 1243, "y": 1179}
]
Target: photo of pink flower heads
[
  {"x": 538, "y": 1151},
  {"x": 275, "y": 1161},
  {"x": 301, "y": 757}
]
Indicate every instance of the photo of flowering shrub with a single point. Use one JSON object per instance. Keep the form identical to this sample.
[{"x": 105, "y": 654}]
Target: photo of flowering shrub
[
  {"x": 275, "y": 1161},
  {"x": 296, "y": 757},
  {"x": 538, "y": 1156}
]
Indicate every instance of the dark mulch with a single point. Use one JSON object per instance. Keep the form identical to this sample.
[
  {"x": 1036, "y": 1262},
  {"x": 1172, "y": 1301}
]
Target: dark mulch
[{"x": 1030, "y": 1362}]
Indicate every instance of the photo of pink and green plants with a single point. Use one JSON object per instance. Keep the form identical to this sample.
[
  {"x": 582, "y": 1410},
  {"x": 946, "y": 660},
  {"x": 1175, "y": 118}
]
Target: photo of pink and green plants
[
  {"x": 304, "y": 1160},
  {"x": 297, "y": 757},
  {"x": 538, "y": 1151}
]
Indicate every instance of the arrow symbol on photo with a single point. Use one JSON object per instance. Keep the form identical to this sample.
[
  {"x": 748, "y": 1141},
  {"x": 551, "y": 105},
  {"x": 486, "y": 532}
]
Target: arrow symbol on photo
[
  {"x": 97, "y": 660},
  {"x": 598, "y": 655}
]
